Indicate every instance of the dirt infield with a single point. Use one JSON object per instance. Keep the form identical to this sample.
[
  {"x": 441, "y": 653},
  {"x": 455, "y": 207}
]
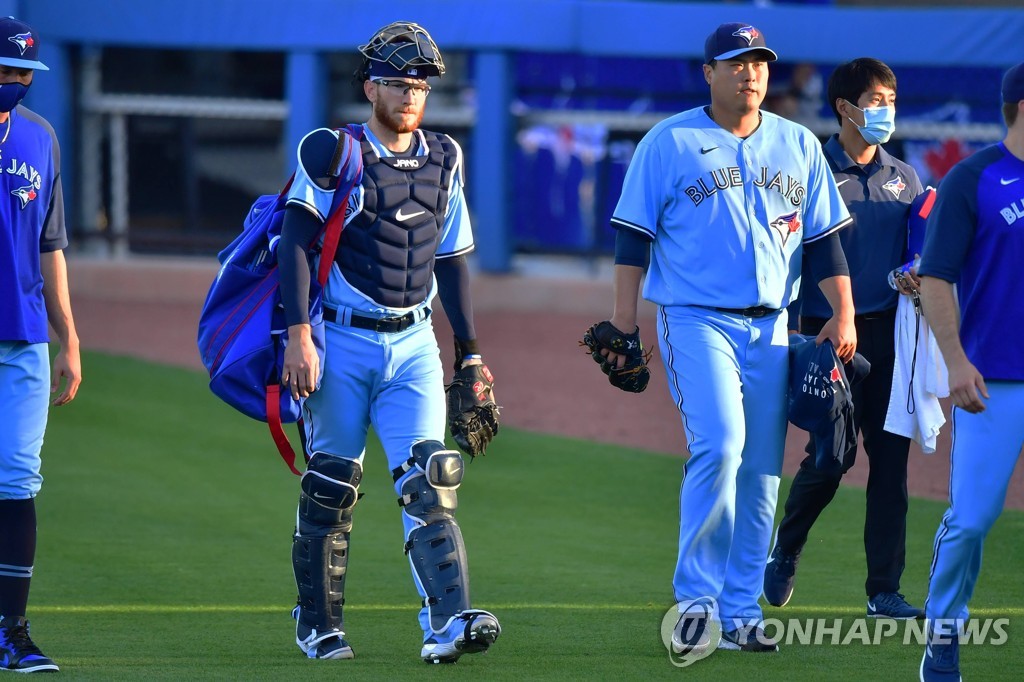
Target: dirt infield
[{"x": 528, "y": 329}]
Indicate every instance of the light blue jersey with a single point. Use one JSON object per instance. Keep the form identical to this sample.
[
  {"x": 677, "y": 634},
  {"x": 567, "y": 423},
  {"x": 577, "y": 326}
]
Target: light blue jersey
[
  {"x": 727, "y": 215},
  {"x": 727, "y": 218}
]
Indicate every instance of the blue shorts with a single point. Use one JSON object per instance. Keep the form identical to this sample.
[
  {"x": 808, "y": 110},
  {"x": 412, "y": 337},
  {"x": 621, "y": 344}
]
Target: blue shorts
[{"x": 24, "y": 402}]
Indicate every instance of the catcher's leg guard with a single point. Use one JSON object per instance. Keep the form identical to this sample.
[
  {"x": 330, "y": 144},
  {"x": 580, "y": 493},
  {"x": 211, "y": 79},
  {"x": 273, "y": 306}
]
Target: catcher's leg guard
[
  {"x": 435, "y": 548},
  {"x": 330, "y": 489},
  {"x": 443, "y": 468}
]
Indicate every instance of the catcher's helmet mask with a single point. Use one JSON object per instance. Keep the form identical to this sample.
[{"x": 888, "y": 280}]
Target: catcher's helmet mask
[{"x": 403, "y": 46}]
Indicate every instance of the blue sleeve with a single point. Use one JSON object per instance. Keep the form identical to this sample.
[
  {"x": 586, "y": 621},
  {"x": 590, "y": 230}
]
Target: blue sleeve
[
  {"x": 300, "y": 228},
  {"x": 826, "y": 258},
  {"x": 951, "y": 225},
  {"x": 824, "y": 210},
  {"x": 642, "y": 198},
  {"x": 54, "y": 236},
  {"x": 632, "y": 248},
  {"x": 453, "y": 290},
  {"x": 457, "y": 233}
]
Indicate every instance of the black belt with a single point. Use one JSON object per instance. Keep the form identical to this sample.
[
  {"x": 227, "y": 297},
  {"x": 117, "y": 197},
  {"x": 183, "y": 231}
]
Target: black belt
[
  {"x": 384, "y": 325},
  {"x": 753, "y": 311}
]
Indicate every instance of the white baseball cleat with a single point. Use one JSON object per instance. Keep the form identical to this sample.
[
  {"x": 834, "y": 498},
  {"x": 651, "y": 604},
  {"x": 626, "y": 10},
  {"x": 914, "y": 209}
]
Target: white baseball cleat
[{"x": 475, "y": 632}]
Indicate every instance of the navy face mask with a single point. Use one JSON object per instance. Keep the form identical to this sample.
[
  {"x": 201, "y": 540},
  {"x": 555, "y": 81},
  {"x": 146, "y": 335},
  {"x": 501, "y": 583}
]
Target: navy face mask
[{"x": 10, "y": 95}]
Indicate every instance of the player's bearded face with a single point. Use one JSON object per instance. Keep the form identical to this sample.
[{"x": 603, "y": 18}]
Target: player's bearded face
[{"x": 398, "y": 113}]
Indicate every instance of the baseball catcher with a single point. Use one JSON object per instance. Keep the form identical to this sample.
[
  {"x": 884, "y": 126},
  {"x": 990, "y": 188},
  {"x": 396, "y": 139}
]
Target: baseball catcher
[
  {"x": 472, "y": 412},
  {"x": 633, "y": 375}
]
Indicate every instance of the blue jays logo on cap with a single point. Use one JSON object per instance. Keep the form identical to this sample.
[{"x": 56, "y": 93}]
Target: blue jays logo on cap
[
  {"x": 729, "y": 41},
  {"x": 23, "y": 41},
  {"x": 787, "y": 224},
  {"x": 21, "y": 49},
  {"x": 748, "y": 33},
  {"x": 896, "y": 186}
]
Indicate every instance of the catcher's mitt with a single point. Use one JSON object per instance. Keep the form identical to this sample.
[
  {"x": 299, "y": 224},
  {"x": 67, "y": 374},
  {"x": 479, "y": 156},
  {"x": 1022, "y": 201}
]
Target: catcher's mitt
[
  {"x": 472, "y": 412},
  {"x": 633, "y": 375}
]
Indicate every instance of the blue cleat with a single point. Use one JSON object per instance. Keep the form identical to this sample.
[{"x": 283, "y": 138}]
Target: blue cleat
[
  {"x": 17, "y": 650},
  {"x": 941, "y": 660}
]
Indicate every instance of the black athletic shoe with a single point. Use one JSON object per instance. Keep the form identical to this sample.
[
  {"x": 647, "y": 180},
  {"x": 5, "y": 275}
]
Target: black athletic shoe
[
  {"x": 893, "y": 605},
  {"x": 17, "y": 650},
  {"x": 748, "y": 638},
  {"x": 779, "y": 576}
]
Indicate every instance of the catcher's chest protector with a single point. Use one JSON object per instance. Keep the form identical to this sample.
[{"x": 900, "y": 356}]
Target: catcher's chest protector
[{"x": 387, "y": 251}]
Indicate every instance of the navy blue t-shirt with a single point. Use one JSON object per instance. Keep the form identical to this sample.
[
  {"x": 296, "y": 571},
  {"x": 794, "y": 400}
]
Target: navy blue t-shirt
[
  {"x": 975, "y": 236},
  {"x": 878, "y": 197},
  {"x": 32, "y": 219}
]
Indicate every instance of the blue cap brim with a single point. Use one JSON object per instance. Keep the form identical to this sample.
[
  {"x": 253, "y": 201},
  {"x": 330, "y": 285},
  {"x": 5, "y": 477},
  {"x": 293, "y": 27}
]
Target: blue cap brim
[
  {"x": 737, "y": 53},
  {"x": 24, "y": 64}
]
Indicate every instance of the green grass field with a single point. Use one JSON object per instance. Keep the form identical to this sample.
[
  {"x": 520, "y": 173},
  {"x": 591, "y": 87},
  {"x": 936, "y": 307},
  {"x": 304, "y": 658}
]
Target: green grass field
[{"x": 164, "y": 553}]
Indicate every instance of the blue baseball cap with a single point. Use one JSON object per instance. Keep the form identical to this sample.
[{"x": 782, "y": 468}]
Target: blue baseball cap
[
  {"x": 821, "y": 399},
  {"x": 732, "y": 40},
  {"x": 19, "y": 45},
  {"x": 1013, "y": 84}
]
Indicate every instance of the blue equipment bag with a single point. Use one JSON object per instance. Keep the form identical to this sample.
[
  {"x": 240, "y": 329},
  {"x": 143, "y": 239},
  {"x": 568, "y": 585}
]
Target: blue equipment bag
[{"x": 242, "y": 329}]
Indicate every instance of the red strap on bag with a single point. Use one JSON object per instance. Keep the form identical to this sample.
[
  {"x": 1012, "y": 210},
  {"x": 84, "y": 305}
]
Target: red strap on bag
[
  {"x": 332, "y": 236},
  {"x": 277, "y": 429}
]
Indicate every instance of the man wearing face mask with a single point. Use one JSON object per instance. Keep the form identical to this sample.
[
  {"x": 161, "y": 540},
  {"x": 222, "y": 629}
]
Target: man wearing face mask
[
  {"x": 33, "y": 293},
  {"x": 878, "y": 190}
]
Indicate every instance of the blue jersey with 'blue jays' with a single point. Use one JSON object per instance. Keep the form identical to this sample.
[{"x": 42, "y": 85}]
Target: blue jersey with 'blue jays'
[
  {"x": 31, "y": 222},
  {"x": 727, "y": 215},
  {"x": 975, "y": 236}
]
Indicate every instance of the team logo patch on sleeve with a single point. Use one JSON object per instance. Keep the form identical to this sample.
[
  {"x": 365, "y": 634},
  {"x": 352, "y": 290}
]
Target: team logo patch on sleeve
[
  {"x": 26, "y": 194},
  {"x": 896, "y": 186},
  {"x": 787, "y": 224}
]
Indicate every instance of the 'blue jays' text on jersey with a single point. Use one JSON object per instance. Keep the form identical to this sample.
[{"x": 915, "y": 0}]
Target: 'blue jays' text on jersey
[
  {"x": 31, "y": 222},
  {"x": 727, "y": 215},
  {"x": 456, "y": 236},
  {"x": 878, "y": 197},
  {"x": 975, "y": 236}
]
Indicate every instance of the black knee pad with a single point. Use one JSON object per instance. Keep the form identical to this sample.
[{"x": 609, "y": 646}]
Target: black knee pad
[{"x": 330, "y": 488}]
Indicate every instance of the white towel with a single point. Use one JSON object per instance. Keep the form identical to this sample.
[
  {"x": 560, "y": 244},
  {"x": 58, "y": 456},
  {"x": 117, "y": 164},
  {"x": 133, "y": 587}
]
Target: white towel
[{"x": 917, "y": 383}]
